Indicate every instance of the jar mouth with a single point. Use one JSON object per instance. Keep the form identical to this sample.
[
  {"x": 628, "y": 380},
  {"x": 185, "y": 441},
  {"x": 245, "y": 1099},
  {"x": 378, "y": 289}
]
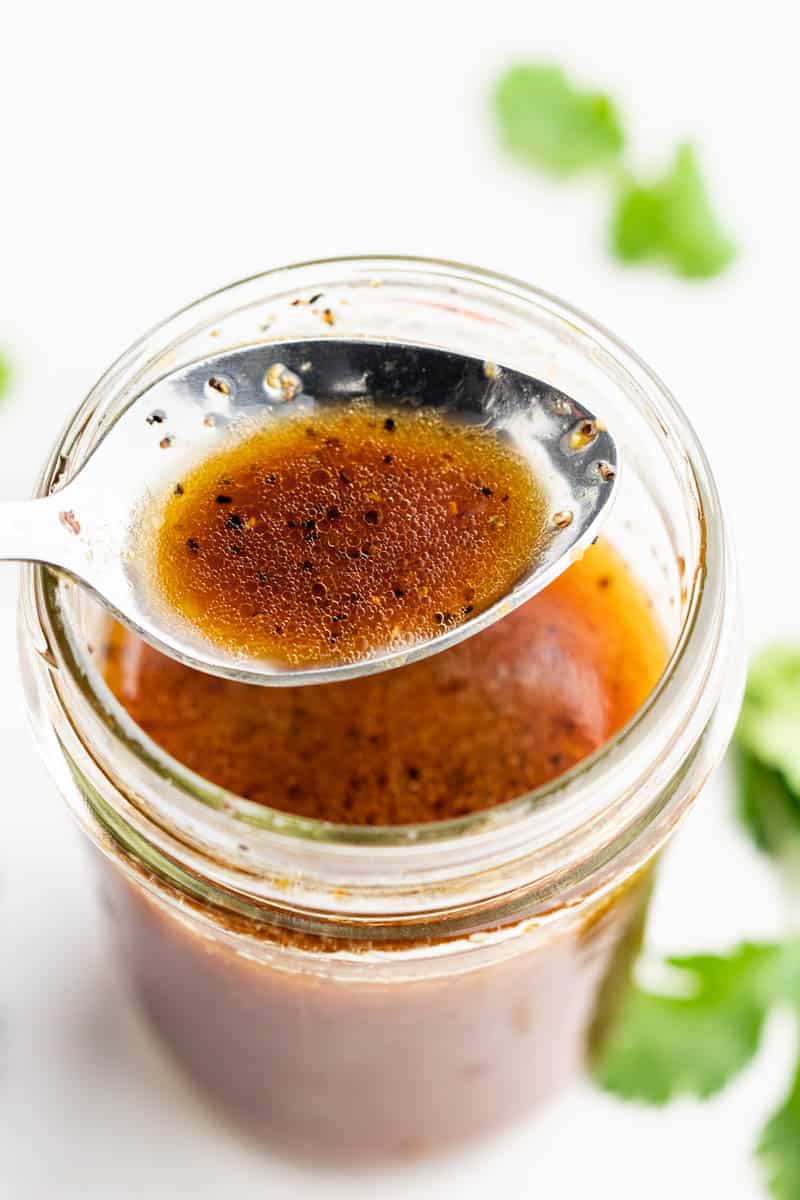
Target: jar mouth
[{"x": 584, "y": 812}]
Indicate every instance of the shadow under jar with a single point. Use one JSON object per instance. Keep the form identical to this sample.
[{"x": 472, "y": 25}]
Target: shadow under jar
[{"x": 368, "y": 990}]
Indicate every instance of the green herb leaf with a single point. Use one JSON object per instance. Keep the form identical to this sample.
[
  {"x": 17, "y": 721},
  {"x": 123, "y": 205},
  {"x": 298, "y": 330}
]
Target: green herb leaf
[
  {"x": 694, "y": 1038},
  {"x": 637, "y": 224},
  {"x": 544, "y": 119},
  {"x": 5, "y": 375},
  {"x": 779, "y": 1147},
  {"x": 769, "y": 810},
  {"x": 698, "y": 1036},
  {"x": 768, "y": 755},
  {"x": 673, "y": 220},
  {"x": 769, "y": 724}
]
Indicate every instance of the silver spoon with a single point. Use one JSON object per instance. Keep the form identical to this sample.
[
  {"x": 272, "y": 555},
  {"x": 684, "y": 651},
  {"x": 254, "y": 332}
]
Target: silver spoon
[{"x": 92, "y": 528}]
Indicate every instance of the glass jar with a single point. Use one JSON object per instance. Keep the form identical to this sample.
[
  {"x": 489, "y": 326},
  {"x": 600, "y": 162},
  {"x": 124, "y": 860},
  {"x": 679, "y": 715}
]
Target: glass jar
[{"x": 362, "y": 991}]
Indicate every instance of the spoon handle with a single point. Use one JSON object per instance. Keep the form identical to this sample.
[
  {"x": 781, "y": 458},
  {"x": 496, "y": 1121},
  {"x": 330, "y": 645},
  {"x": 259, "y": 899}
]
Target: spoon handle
[{"x": 45, "y": 531}]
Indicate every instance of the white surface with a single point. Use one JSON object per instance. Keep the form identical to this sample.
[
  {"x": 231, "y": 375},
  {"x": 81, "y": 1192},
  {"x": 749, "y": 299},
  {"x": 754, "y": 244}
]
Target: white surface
[{"x": 153, "y": 152}]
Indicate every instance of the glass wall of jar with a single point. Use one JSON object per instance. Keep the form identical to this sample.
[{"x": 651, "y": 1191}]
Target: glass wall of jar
[{"x": 366, "y": 990}]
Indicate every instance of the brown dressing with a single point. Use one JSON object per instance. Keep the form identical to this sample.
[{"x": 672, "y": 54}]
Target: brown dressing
[
  {"x": 372, "y": 1067},
  {"x": 472, "y": 727},
  {"x": 325, "y": 539}
]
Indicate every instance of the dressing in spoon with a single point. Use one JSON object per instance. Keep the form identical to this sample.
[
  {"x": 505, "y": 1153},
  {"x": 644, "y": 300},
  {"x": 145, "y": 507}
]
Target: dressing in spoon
[{"x": 301, "y": 512}]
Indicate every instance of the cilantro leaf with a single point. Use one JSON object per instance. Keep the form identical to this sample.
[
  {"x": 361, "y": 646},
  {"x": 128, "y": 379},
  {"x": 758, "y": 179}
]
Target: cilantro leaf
[
  {"x": 769, "y": 724},
  {"x": 696, "y": 1038},
  {"x": 673, "y": 220},
  {"x": 637, "y": 222},
  {"x": 549, "y": 122},
  {"x": 544, "y": 119},
  {"x": 768, "y": 755},
  {"x": 779, "y": 1147},
  {"x": 768, "y": 809},
  {"x": 5, "y": 375}
]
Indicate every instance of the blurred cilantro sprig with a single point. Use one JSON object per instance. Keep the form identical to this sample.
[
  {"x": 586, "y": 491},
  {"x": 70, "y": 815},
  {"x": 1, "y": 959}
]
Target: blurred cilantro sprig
[
  {"x": 694, "y": 1034},
  {"x": 548, "y": 122},
  {"x": 5, "y": 376}
]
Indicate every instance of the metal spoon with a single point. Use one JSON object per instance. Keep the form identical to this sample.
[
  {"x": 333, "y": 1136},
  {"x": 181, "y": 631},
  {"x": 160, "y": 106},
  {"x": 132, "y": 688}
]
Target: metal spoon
[{"x": 92, "y": 528}]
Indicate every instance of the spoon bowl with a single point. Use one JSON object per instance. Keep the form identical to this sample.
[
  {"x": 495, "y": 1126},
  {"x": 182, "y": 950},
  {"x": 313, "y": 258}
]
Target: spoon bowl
[{"x": 97, "y": 526}]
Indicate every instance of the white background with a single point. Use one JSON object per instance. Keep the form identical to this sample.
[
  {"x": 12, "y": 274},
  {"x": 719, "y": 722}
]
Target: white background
[{"x": 151, "y": 153}]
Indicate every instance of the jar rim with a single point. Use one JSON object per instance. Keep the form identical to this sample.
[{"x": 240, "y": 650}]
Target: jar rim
[{"x": 700, "y": 651}]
